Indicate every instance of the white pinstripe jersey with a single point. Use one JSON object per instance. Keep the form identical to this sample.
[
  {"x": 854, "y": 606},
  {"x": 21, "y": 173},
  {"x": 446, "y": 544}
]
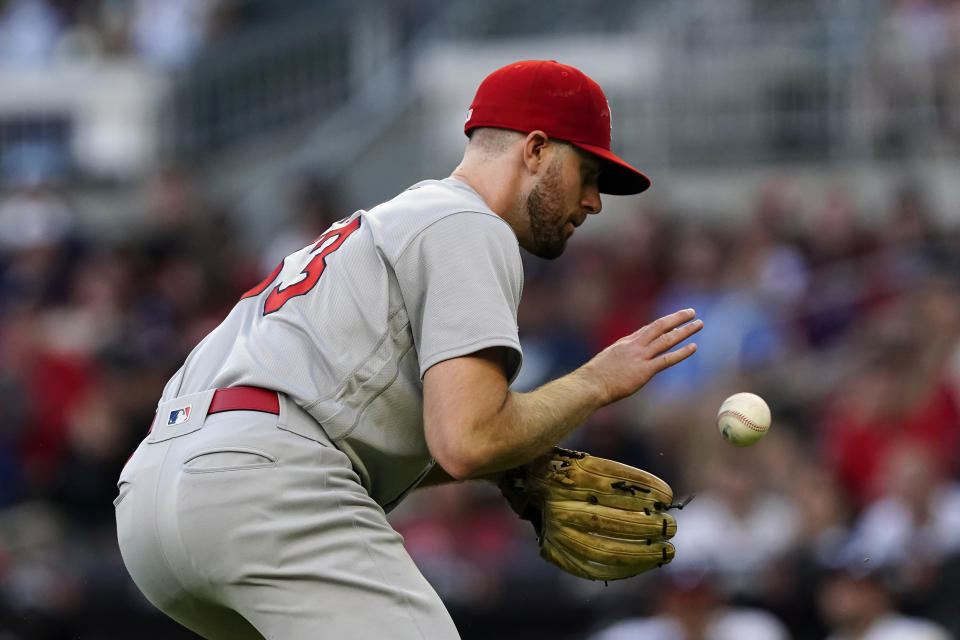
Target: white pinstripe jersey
[{"x": 348, "y": 325}]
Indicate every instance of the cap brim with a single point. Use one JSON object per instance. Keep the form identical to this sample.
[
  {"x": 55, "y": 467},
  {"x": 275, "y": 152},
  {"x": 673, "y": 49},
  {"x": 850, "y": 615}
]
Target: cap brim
[{"x": 616, "y": 176}]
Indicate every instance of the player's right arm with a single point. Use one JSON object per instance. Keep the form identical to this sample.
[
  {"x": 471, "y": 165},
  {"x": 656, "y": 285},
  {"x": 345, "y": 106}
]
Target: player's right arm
[{"x": 476, "y": 426}]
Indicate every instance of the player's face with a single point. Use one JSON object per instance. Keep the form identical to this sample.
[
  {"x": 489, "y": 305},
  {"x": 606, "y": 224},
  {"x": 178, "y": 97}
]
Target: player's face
[{"x": 561, "y": 201}]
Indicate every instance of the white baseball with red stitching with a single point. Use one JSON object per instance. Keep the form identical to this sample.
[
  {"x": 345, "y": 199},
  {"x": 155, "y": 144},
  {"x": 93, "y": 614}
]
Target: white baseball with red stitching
[{"x": 743, "y": 419}]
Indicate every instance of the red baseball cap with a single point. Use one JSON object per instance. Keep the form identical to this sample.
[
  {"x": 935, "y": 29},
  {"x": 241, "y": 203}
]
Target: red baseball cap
[{"x": 561, "y": 101}]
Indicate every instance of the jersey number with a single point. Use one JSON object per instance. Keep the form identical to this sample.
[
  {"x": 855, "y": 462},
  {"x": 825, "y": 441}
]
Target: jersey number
[{"x": 327, "y": 243}]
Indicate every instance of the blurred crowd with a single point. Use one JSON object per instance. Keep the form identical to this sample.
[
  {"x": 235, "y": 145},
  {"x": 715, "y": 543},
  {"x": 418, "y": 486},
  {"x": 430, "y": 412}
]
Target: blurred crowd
[
  {"x": 846, "y": 517},
  {"x": 161, "y": 33},
  {"x": 89, "y": 331}
]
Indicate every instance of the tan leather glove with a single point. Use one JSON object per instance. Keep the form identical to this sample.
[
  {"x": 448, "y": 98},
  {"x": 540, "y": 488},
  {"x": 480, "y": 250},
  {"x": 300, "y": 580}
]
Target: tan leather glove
[{"x": 595, "y": 518}]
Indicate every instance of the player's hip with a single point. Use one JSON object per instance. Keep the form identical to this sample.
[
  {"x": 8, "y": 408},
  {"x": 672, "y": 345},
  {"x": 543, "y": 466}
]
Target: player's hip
[{"x": 201, "y": 488}]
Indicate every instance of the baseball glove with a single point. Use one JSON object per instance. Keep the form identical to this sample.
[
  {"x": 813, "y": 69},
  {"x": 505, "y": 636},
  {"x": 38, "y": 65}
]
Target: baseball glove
[{"x": 595, "y": 518}]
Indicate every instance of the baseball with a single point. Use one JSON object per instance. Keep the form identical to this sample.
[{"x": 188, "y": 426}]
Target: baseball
[{"x": 743, "y": 419}]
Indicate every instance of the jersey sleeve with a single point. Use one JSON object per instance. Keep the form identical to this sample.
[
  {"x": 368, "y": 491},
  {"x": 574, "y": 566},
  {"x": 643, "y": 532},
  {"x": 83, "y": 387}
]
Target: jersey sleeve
[{"x": 461, "y": 279}]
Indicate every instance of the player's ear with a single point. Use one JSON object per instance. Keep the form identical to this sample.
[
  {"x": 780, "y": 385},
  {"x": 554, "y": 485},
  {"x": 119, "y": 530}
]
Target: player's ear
[{"x": 535, "y": 147}]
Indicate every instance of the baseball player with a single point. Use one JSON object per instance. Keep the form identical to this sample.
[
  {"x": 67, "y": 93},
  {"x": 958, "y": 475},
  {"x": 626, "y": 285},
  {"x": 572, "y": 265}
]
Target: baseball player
[{"x": 373, "y": 361}]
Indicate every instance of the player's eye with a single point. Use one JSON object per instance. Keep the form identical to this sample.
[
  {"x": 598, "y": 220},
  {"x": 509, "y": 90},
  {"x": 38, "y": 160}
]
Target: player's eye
[{"x": 591, "y": 177}]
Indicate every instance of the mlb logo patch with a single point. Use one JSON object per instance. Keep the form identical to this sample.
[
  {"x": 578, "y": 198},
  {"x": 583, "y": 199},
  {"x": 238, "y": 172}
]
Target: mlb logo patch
[{"x": 179, "y": 416}]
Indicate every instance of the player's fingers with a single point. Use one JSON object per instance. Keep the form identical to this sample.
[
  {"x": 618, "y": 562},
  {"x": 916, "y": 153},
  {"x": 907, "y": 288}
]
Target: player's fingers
[
  {"x": 672, "y": 338},
  {"x": 667, "y": 323},
  {"x": 670, "y": 358}
]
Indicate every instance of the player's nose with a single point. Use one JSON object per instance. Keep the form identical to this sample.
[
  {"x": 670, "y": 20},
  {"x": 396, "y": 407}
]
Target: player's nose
[{"x": 590, "y": 201}]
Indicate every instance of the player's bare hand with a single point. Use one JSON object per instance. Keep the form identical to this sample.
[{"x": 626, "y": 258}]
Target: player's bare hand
[{"x": 630, "y": 362}]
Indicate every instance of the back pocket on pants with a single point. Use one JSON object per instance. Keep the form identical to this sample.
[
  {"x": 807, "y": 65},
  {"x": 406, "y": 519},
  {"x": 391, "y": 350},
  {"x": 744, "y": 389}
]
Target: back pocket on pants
[{"x": 228, "y": 459}]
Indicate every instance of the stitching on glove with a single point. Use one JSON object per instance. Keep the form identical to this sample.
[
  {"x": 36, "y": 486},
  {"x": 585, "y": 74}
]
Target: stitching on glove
[
  {"x": 632, "y": 488},
  {"x": 665, "y": 561}
]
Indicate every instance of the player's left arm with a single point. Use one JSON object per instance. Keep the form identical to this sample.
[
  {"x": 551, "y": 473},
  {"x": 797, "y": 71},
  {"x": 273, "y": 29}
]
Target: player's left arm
[
  {"x": 437, "y": 476},
  {"x": 475, "y": 425}
]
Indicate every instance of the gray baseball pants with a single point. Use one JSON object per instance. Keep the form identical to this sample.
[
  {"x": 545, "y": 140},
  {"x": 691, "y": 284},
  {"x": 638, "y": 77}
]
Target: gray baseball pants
[{"x": 249, "y": 525}]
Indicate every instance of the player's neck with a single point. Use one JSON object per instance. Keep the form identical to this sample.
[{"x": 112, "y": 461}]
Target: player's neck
[{"x": 497, "y": 188}]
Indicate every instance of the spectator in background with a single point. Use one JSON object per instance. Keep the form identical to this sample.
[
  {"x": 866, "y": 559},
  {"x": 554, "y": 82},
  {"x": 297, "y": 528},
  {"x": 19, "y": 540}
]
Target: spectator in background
[
  {"x": 771, "y": 255},
  {"x": 315, "y": 206},
  {"x": 857, "y": 605},
  {"x": 192, "y": 265},
  {"x": 169, "y": 33},
  {"x": 738, "y": 333},
  {"x": 838, "y": 290},
  {"x": 89, "y": 437},
  {"x": 29, "y": 32},
  {"x": 911, "y": 234},
  {"x": 823, "y": 526},
  {"x": 37, "y": 246},
  {"x": 636, "y": 266},
  {"x": 917, "y": 518},
  {"x": 896, "y": 395},
  {"x": 688, "y": 606},
  {"x": 553, "y": 343},
  {"x": 16, "y": 355},
  {"x": 735, "y": 504},
  {"x": 33, "y": 216},
  {"x": 463, "y": 540},
  {"x": 912, "y": 532}
]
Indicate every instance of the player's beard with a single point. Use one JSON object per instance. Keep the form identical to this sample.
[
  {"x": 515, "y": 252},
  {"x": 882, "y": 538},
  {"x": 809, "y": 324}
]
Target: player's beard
[{"x": 545, "y": 213}]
